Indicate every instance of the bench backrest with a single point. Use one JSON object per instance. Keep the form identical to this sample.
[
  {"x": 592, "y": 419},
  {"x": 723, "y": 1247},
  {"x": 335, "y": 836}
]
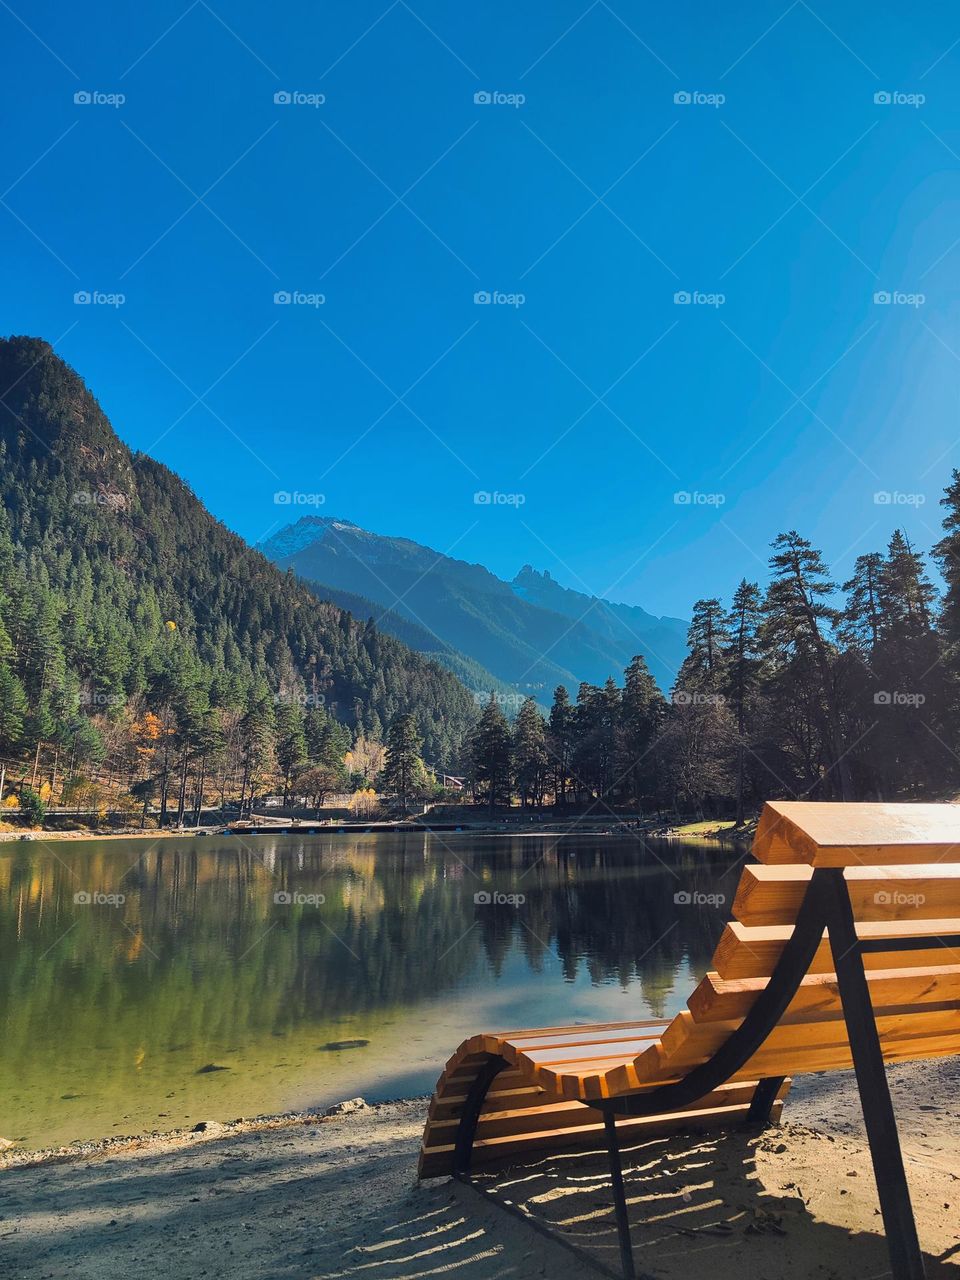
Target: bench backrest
[{"x": 901, "y": 865}]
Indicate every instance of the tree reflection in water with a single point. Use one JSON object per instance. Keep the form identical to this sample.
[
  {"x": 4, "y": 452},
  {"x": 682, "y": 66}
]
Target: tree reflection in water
[{"x": 200, "y": 952}]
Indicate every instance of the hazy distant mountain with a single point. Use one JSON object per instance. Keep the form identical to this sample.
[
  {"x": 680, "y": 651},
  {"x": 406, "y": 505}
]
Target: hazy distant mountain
[{"x": 531, "y": 633}]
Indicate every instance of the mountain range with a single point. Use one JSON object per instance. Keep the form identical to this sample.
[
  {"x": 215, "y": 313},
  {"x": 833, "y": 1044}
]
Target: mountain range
[{"x": 528, "y": 635}]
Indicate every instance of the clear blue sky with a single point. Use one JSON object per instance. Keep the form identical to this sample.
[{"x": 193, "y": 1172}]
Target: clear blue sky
[{"x": 598, "y": 198}]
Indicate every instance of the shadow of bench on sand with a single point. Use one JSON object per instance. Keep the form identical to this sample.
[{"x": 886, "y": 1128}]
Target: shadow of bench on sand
[{"x": 698, "y": 1204}]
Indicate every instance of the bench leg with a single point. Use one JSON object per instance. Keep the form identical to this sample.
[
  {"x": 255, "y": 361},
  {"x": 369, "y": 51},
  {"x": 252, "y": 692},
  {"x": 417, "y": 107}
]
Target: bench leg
[
  {"x": 619, "y": 1196},
  {"x": 470, "y": 1115},
  {"x": 765, "y": 1095},
  {"x": 906, "y": 1260}
]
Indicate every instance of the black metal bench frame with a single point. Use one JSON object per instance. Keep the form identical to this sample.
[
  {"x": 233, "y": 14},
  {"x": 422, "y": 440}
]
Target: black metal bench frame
[{"x": 826, "y": 906}]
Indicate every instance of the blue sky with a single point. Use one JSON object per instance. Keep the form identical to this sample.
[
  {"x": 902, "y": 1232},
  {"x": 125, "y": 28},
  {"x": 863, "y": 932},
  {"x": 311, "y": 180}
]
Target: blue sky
[{"x": 584, "y": 187}]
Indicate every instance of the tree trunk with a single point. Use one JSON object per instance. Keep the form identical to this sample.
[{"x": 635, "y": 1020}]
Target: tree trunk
[{"x": 182, "y": 793}]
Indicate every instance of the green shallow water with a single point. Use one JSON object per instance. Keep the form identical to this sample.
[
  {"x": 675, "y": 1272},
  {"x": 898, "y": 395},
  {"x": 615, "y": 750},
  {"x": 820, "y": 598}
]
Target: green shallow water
[{"x": 109, "y": 1009}]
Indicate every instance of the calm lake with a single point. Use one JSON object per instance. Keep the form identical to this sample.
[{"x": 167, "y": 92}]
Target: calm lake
[{"x": 126, "y": 967}]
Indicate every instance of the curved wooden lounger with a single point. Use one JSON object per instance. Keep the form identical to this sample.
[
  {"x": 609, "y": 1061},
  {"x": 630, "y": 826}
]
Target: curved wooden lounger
[{"x": 844, "y": 951}]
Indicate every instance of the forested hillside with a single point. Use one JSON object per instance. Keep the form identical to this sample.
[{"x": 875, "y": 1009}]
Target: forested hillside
[{"x": 140, "y": 637}]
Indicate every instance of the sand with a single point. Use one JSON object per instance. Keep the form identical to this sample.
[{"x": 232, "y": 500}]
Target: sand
[{"x": 318, "y": 1197}]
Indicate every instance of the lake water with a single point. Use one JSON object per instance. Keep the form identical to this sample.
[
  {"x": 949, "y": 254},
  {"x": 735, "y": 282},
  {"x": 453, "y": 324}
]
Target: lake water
[{"x": 255, "y": 954}]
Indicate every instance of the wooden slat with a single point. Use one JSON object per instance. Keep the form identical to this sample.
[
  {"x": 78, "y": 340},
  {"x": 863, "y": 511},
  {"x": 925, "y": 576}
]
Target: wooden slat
[
  {"x": 750, "y": 952},
  {"x": 770, "y": 895},
  {"x": 842, "y": 835},
  {"x": 437, "y": 1161},
  {"x": 560, "y": 1058},
  {"x": 787, "y": 1050},
  {"x": 566, "y": 1115},
  {"x": 715, "y": 1000}
]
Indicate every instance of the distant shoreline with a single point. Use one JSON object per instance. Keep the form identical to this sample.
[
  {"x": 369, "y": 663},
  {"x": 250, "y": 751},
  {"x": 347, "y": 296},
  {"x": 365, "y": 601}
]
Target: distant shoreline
[{"x": 710, "y": 833}]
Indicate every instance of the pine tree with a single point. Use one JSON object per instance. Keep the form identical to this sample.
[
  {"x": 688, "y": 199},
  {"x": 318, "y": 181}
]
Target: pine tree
[
  {"x": 796, "y": 610},
  {"x": 291, "y": 742},
  {"x": 906, "y": 593},
  {"x": 13, "y": 711},
  {"x": 642, "y": 708},
  {"x": 529, "y": 754},
  {"x": 742, "y": 661},
  {"x": 490, "y": 754},
  {"x": 597, "y": 724},
  {"x": 707, "y": 639},
  {"x": 947, "y": 554},
  {"x": 560, "y": 742},
  {"x": 861, "y": 621},
  {"x": 403, "y": 769}
]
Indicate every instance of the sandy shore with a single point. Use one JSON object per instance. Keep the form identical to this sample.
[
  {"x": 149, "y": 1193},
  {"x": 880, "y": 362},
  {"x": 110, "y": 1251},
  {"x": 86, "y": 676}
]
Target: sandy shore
[{"x": 336, "y": 1197}]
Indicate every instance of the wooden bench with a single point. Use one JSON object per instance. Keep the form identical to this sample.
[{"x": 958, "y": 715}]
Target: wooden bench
[{"x": 843, "y": 951}]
